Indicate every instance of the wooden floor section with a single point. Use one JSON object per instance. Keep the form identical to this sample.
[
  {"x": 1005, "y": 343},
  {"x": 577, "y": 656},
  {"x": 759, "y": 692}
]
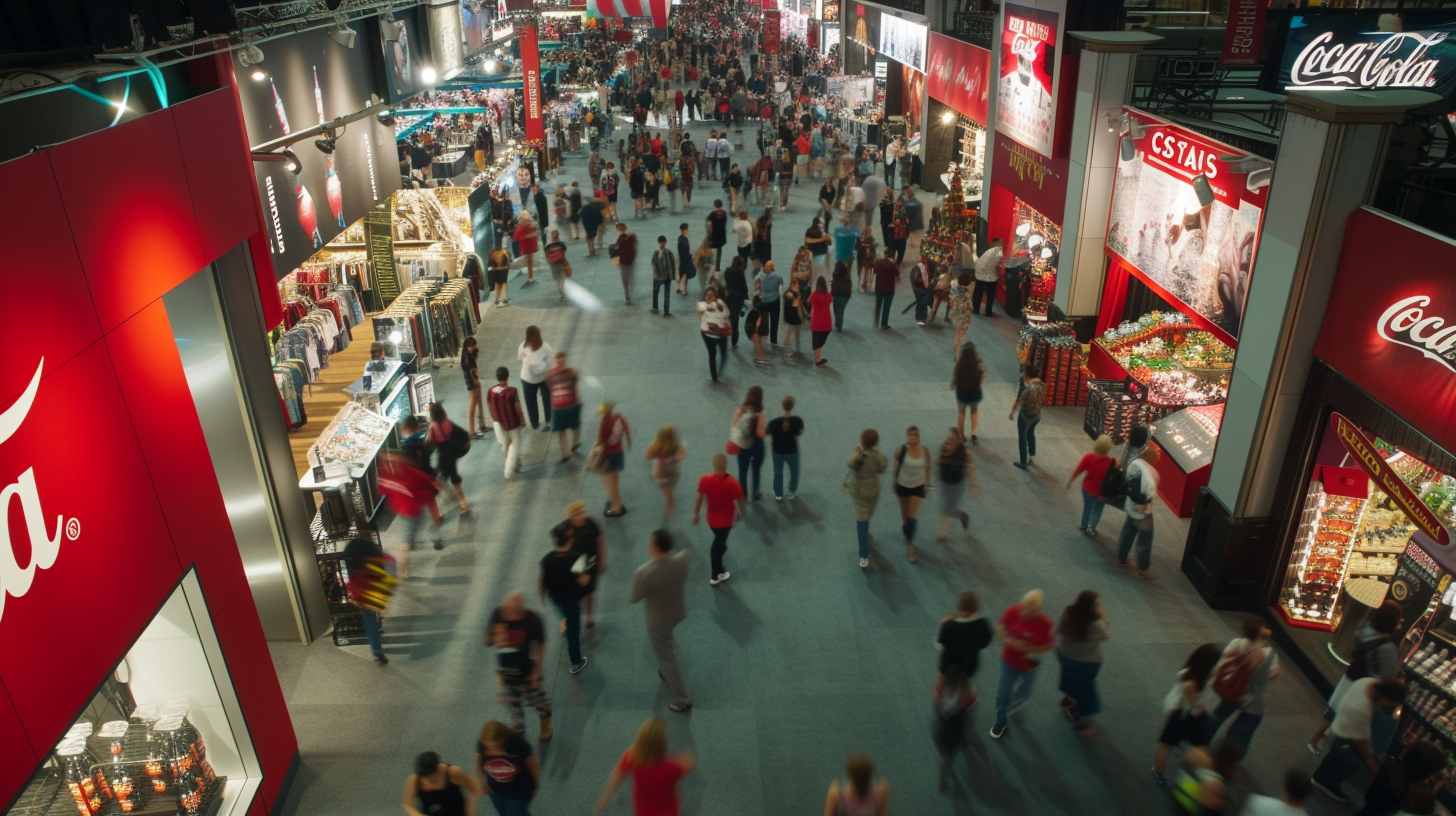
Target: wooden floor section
[{"x": 328, "y": 396}]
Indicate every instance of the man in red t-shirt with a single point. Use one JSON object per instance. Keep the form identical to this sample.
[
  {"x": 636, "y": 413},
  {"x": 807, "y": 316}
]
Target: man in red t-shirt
[
  {"x": 504, "y": 404},
  {"x": 1026, "y": 633},
  {"x": 725, "y": 504}
]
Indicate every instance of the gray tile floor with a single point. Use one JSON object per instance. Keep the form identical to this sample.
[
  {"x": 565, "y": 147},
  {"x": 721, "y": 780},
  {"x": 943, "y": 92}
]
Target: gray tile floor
[{"x": 802, "y": 656}]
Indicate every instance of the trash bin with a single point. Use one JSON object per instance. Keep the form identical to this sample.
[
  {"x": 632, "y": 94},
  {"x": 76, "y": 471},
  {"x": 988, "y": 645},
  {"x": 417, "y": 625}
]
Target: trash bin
[{"x": 1360, "y": 598}]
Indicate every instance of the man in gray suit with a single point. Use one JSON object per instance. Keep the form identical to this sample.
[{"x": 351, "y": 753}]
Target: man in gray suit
[{"x": 661, "y": 581}]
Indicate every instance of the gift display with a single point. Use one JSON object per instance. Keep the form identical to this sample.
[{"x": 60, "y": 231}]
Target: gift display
[
  {"x": 352, "y": 438},
  {"x": 1322, "y": 546},
  {"x": 1180, "y": 364},
  {"x": 953, "y": 223},
  {"x": 1114, "y": 407},
  {"x": 1051, "y": 351}
]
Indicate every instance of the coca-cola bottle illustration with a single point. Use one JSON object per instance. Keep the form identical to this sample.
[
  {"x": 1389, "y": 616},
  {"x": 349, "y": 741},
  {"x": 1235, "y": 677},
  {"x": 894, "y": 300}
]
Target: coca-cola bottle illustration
[
  {"x": 307, "y": 217},
  {"x": 332, "y": 187}
]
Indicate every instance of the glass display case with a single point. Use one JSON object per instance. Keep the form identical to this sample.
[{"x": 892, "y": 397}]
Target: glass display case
[
  {"x": 1189, "y": 435},
  {"x": 351, "y": 440}
]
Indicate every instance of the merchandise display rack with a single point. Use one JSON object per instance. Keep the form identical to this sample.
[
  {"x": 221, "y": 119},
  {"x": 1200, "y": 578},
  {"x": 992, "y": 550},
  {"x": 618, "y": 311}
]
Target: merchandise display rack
[
  {"x": 1312, "y": 586},
  {"x": 1051, "y": 351},
  {"x": 329, "y": 538},
  {"x": 1114, "y": 407},
  {"x": 1429, "y": 712}
]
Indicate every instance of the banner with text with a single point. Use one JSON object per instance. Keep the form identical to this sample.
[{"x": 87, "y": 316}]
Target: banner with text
[
  {"x": 959, "y": 76},
  {"x": 531, "y": 77},
  {"x": 1243, "y": 38},
  {"x": 1360, "y": 49},
  {"x": 1026, "y": 106}
]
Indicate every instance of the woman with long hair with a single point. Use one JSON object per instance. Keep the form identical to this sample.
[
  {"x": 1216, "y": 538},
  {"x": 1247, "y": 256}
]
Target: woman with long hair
[
  {"x": 763, "y": 239},
  {"x": 441, "y": 439},
  {"x": 841, "y": 286},
  {"x": 654, "y": 773},
  {"x": 954, "y": 462},
  {"x": 793, "y": 319},
  {"x": 666, "y": 454},
  {"x": 959, "y": 308},
  {"x": 614, "y": 436},
  {"x": 863, "y": 485},
  {"x": 713, "y": 319},
  {"x": 801, "y": 268},
  {"x": 511, "y": 771},
  {"x": 470, "y": 367},
  {"x": 821, "y": 320},
  {"x": 910, "y": 476},
  {"x": 859, "y": 795},
  {"x": 1080, "y": 632},
  {"x": 735, "y": 293},
  {"x": 745, "y": 433},
  {"x": 1186, "y": 707},
  {"x": 439, "y": 789},
  {"x": 536, "y": 356},
  {"x": 965, "y": 381}
]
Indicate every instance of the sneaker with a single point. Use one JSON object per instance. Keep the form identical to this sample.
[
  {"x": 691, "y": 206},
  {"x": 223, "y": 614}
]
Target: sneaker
[
  {"x": 757, "y": 496},
  {"x": 863, "y": 563},
  {"x": 825, "y": 361},
  {"x": 1021, "y": 465},
  {"x": 920, "y": 322},
  {"x": 439, "y": 544},
  {"x": 577, "y": 667},
  {"x": 998, "y": 731},
  {"x": 674, "y": 707},
  {"x": 718, "y": 579},
  {"x": 789, "y": 496},
  {"x": 546, "y": 727},
  {"x": 654, "y": 310},
  {"x": 1089, "y": 532},
  {"x": 778, "y": 498},
  {"x": 1030, "y": 460},
  {"x": 381, "y": 659},
  {"x": 1148, "y": 574},
  {"x": 973, "y": 439},
  {"x": 1313, "y": 749}
]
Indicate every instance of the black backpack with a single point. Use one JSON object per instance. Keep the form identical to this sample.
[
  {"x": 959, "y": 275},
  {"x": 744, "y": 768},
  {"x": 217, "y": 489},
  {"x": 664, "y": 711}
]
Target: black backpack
[
  {"x": 459, "y": 441},
  {"x": 1114, "y": 488},
  {"x": 1133, "y": 489}
]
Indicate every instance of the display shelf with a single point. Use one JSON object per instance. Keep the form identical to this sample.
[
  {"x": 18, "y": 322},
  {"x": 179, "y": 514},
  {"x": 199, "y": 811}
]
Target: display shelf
[
  {"x": 1317, "y": 571},
  {"x": 352, "y": 439},
  {"x": 1431, "y": 728},
  {"x": 1189, "y": 438}
]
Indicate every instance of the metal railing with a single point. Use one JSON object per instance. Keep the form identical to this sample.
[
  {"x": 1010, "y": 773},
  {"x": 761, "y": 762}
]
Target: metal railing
[{"x": 975, "y": 27}]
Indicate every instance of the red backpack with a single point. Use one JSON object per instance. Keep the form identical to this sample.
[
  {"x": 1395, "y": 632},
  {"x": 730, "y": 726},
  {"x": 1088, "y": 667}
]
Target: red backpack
[{"x": 1231, "y": 678}]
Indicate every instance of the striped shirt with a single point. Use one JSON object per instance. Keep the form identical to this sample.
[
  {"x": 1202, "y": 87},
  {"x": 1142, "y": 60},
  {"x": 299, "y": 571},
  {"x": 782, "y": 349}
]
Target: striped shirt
[{"x": 505, "y": 406}]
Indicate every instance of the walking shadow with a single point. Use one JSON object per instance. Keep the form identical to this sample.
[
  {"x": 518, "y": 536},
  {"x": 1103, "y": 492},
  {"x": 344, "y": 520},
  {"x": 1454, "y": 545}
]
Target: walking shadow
[{"x": 733, "y": 616}]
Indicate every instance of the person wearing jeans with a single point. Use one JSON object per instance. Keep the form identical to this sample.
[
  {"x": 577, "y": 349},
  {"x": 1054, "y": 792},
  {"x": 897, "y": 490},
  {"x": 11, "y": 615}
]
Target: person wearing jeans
[
  {"x": 887, "y": 274},
  {"x": 1026, "y": 410},
  {"x": 664, "y": 275},
  {"x": 536, "y": 356},
  {"x": 1255, "y": 651},
  {"x": 1351, "y": 733},
  {"x": 863, "y": 485},
  {"x": 1026, "y": 633},
  {"x": 724, "y": 496},
  {"x": 713, "y": 317},
  {"x": 1141, "y": 480},
  {"x": 564, "y": 574},
  {"x": 1094, "y": 465},
  {"x": 769, "y": 285},
  {"x": 785, "y": 432}
]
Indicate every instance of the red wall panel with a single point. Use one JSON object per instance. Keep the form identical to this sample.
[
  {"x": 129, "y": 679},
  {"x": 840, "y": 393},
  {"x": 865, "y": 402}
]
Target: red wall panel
[
  {"x": 164, "y": 416},
  {"x": 215, "y": 154},
  {"x": 131, "y": 213},
  {"x": 256, "y": 681},
  {"x": 42, "y": 273},
  {"x": 16, "y": 757}
]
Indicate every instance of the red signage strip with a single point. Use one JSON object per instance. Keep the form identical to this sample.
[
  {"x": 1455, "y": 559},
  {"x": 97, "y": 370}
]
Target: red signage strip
[
  {"x": 959, "y": 76},
  {"x": 1243, "y": 40},
  {"x": 770, "y": 41},
  {"x": 1370, "y": 460},
  {"x": 531, "y": 76}
]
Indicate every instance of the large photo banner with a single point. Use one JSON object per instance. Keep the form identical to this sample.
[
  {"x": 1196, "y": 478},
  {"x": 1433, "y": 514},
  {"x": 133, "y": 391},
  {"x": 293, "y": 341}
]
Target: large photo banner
[
  {"x": 903, "y": 41},
  {"x": 1186, "y": 213},
  {"x": 959, "y": 76},
  {"x": 1025, "y": 109}
]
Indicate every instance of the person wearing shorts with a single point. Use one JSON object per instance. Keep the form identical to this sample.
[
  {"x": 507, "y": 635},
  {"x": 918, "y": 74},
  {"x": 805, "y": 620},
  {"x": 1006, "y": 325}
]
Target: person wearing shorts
[
  {"x": 614, "y": 436},
  {"x": 565, "y": 406},
  {"x": 498, "y": 270}
]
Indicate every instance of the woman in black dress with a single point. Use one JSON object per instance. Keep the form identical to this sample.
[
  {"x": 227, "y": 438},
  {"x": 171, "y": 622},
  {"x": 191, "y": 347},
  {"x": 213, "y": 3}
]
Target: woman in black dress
[
  {"x": 763, "y": 239},
  {"x": 735, "y": 282}
]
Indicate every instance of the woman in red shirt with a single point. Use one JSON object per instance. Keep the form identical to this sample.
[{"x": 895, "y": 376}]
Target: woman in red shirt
[
  {"x": 614, "y": 436},
  {"x": 821, "y": 318},
  {"x": 1095, "y": 465},
  {"x": 526, "y": 236},
  {"x": 654, "y": 774}
]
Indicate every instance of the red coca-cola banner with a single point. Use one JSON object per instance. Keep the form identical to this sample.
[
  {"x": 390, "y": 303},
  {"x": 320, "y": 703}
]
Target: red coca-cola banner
[
  {"x": 959, "y": 76},
  {"x": 1368, "y": 457},
  {"x": 531, "y": 77},
  {"x": 1243, "y": 40},
  {"x": 1390, "y": 326},
  {"x": 770, "y": 40}
]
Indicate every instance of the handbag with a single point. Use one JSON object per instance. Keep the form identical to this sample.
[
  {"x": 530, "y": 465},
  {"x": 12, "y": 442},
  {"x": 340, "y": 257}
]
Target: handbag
[{"x": 595, "y": 458}]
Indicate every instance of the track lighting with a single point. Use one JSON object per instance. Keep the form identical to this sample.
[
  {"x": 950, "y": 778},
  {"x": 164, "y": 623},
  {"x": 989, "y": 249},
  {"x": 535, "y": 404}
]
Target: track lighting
[
  {"x": 290, "y": 160},
  {"x": 326, "y": 144}
]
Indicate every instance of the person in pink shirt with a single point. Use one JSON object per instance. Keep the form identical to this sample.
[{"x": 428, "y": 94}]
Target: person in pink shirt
[
  {"x": 1025, "y": 633},
  {"x": 1094, "y": 465}
]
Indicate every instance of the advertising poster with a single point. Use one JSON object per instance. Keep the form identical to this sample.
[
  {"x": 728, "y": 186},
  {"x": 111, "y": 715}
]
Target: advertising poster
[
  {"x": 1365, "y": 50},
  {"x": 866, "y": 30},
  {"x": 903, "y": 41},
  {"x": 404, "y": 54},
  {"x": 1243, "y": 39},
  {"x": 1025, "y": 107},
  {"x": 913, "y": 98},
  {"x": 311, "y": 79},
  {"x": 959, "y": 76},
  {"x": 830, "y": 11},
  {"x": 475, "y": 24},
  {"x": 531, "y": 76},
  {"x": 1186, "y": 219},
  {"x": 772, "y": 31}
]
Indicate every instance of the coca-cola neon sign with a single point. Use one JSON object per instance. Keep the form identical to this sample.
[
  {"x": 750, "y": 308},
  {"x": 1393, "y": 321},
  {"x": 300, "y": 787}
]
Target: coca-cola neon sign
[
  {"x": 1386, "y": 60},
  {"x": 1405, "y": 323}
]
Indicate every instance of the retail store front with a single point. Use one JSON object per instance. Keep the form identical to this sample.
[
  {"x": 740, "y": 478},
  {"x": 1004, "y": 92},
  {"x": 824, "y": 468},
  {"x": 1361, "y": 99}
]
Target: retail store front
[
  {"x": 1184, "y": 222},
  {"x": 958, "y": 82}
]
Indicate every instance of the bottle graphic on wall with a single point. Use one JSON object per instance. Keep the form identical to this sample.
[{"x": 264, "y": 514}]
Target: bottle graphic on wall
[
  {"x": 332, "y": 186},
  {"x": 307, "y": 217}
]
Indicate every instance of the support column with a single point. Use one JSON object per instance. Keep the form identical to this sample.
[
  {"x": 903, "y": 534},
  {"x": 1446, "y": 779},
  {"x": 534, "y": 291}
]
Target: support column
[
  {"x": 1104, "y": 85},
  {"x": 1329, "y": 162}
]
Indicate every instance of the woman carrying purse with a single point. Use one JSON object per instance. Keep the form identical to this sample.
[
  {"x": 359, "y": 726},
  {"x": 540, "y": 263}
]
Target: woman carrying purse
[{"x": 715, "y": 328}]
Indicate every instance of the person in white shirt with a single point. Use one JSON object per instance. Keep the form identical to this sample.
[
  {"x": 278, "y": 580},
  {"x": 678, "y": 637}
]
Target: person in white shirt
[
  {"x": 1351, "y": 733},
  {"x": 988, "y": 272},
  {"x": 1142, "y": 485},
  {"x": 725, "y": 151},
  {"x": 1249, "y": 663},
  {"x": 1296, "y": 790},
  {"x": 743, "y": 231}
]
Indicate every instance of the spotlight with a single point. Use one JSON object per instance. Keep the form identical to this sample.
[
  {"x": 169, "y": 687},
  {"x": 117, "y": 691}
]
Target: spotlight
[
  {"x": 428, "y": 75},
  {"x": 326, "y": 144},
  {"x": 290, "y": 160},
  {"x": 1126, "y": 148},
  {"x": 259, "y": 75},
  {"x": 947, "y": 117},
  {"x": 395, "y": 337},
  {"x": 343, "y": 34},
  {"x": 387, "y": 117},
  {"x": 491, "y": 66}
]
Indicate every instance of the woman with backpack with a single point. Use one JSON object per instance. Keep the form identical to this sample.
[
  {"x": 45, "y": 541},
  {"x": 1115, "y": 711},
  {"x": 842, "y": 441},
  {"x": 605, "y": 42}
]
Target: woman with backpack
[
  {"x": 965, "y": 381},
  {"x": 1240, "y": 681},
  {"x": 450, "y": 442},
  {"x": 1080, "y": 632},
  {"x": 609, "y": 456},
  {"x": 1095, "y": 466},
  {"x": 910, "y": 476},
  {"x": 858, "y": 794},
  {"x": 1186, "y": 707},
  {"x": 745, "y": 437},
  {"x": 666, "y": 454},
  {"x": 1140, "y": 482}
]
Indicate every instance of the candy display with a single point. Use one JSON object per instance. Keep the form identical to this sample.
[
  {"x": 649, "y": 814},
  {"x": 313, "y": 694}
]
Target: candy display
[
  {"x": 1114, "y": 407},
  {"x": 1051, "y": 351},
  {"x": 1201, "y": 350},
  {"x": 1321, "y": 548},
  {"x": 1180, "y": 364},
  {"x": 353, "y": 437},
  {"x": 1189, "y": 435}
]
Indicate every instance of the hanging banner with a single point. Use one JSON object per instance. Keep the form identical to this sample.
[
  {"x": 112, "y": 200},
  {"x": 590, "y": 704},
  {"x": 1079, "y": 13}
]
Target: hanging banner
[
  {"x": 531, "y": 77},
  {"x": 1025, "y": 107},
  {"x": 1243, "y": 40},
  {"x": 770, "y": 40},
  {"x": 1385, "y": 477},
  {"x": 903, "y": 41},
  {"x": 959, "y": 76},
  {"x": 656, "y": 9}
]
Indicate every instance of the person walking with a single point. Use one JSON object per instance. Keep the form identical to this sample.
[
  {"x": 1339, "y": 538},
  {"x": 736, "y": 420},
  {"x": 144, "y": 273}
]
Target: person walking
[
  {"x": 954, "y": 463},
  {"x": 910, "y": 476},
  {"x": 1297, "y": 788},
  {"x": 1352, "y": 733},
  {"x": 962, "y": 636},
  {"x": 505, "y": 412},
  {"x": 519, "y": 640},
  {"x": 745, "y": 439},
  {"x": 865, "y": 258},
  {"x": 573, "y": 210},
  {"x": 408, "y": 488},
  {"x": 953, "y": 697},
  {"x": 1241, "y": 680},
  {"x": 527, "y": 236},
  {"x": 470, "y": 367},
  {"x": 763, "y": 239},
  {"x": 664, "y": 275},
  {"x": 822, "y": 312},
  {"x": 1080, "y": 632},
  {"x": 614, "y": 436},
  {"x": 793, "y": 309},
  {"x": 368, "y": 588},
  {"x": 439, "y": 789},
  {"x": 624, "y": 254},
  {"x": 959, "y": 308},
  {"x": 686, "y": 269},
  {"x": 1141, "y": 483},
  {"x": 965, "y": 380},
  {"x": 1375, "y": 655},
  {"x": 755, "y": 325},
  {"x": 743, "y": 235},
  {"x": 666, "y": 453},
  {"x": 655, "y": 774},
  {"x": 497, "y": 273},
  {"x": 1185, "y": 710},
  {"x": 1093, "y": 468},
  {"x": 736, "y": 186},
  {"x": 1026, "y": 410},
  {"x": 713, "y": 324},
  {"x": 725, "y": 499},
  {"x": 512, "y": 773},
  {"x": 858, "y": 794},
  {"x": 448, "y": 442},
  {"x": 564, "y": 574},
  {"x": 818, "y": 242},
  {"x": 660, "y": 582},
  {"x": 863, "y": 485},
  {"x": 988, "y": 274},
  {"x": 593, "y": 216},
  {"x": 735, "y": 295},
  {"x": 1025, "y": 633},
  {"x": 717, "y": 224},
  {"x": 785, "y": 432},
  {"x": 590, "y": 546},
  {"x": 887, "y": 275},
  {"x": 565, "y": 405},
  {"x": 768, "y": 286},
  {"x": 841, "y": 288},
  {"x": 555, "y": 253},
  {"x": 536, "y": 356}
]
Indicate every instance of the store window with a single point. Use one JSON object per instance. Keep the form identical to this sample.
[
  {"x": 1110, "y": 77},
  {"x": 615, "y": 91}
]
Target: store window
[
  {"x": 164, "y": 733},
  {"x": 1031, "y": 265}
]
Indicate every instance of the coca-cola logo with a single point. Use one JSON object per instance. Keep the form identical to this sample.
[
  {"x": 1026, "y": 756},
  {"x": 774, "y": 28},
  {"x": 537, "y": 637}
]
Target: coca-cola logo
[
  {"x": 1405, "y": 323},
  {"x": 16, "y": 580},
  {"x": 1397, "y": 60}
]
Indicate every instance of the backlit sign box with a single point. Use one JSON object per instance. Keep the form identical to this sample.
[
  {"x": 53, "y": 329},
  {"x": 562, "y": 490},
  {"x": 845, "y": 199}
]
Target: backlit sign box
[{"x": 1367, "y": 51}]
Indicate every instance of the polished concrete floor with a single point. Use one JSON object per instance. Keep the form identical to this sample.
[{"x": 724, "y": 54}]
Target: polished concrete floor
[{"x": 802, "y": 656}]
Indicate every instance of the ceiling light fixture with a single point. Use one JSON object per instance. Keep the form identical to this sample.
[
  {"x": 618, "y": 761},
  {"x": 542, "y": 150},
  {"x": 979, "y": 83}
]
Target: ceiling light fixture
[
  {"x": 290, "y": 160},
  {"x": 259, "y": 74},
  {"x": 342, "y": 33},
  {"x": 428, "y": 75}
]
